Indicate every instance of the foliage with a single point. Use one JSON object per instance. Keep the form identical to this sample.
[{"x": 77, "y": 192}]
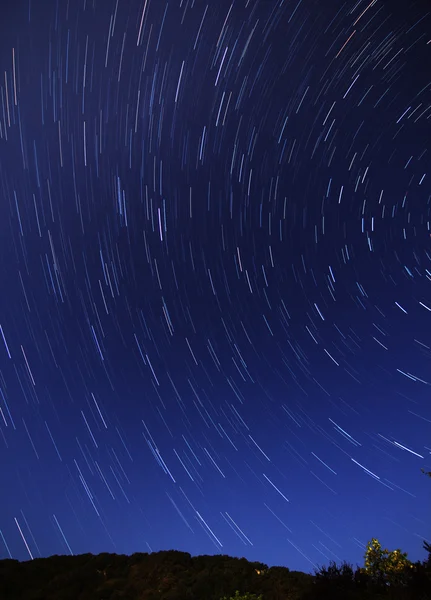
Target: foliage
[
  {"x": 246, "y": 596},
  {"x": 170, "y": 575},
  {"x": 386, "y": 575},
  {"x": 384, "y": 566}
]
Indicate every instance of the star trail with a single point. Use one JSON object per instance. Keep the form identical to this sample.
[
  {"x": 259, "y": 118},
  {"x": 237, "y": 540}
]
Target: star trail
[{"x": 215, "y": 267}]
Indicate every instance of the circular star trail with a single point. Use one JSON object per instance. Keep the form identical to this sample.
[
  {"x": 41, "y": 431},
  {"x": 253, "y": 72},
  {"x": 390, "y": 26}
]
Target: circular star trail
[{"x": 214, "y": 272}]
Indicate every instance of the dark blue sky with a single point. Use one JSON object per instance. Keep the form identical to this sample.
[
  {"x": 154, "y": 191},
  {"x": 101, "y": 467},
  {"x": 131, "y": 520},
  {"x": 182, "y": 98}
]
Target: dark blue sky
[{"x": 215, "y": 265}]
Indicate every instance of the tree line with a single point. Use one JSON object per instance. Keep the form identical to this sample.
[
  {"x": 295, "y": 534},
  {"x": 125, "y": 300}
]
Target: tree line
[{"x": 173, "y": 575}]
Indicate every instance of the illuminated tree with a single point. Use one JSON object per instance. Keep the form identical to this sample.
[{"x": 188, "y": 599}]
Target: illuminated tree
[{"x": 384, "y": 566}]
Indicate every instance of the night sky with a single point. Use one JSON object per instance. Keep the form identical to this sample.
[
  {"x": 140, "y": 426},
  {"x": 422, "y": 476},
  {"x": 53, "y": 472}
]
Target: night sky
[{"x": 215, "y": 267}]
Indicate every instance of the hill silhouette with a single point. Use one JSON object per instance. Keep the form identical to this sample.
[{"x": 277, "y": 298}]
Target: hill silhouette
[
  {"x": 174, "y": 575},
  {"x": 167, "y": 575}
]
